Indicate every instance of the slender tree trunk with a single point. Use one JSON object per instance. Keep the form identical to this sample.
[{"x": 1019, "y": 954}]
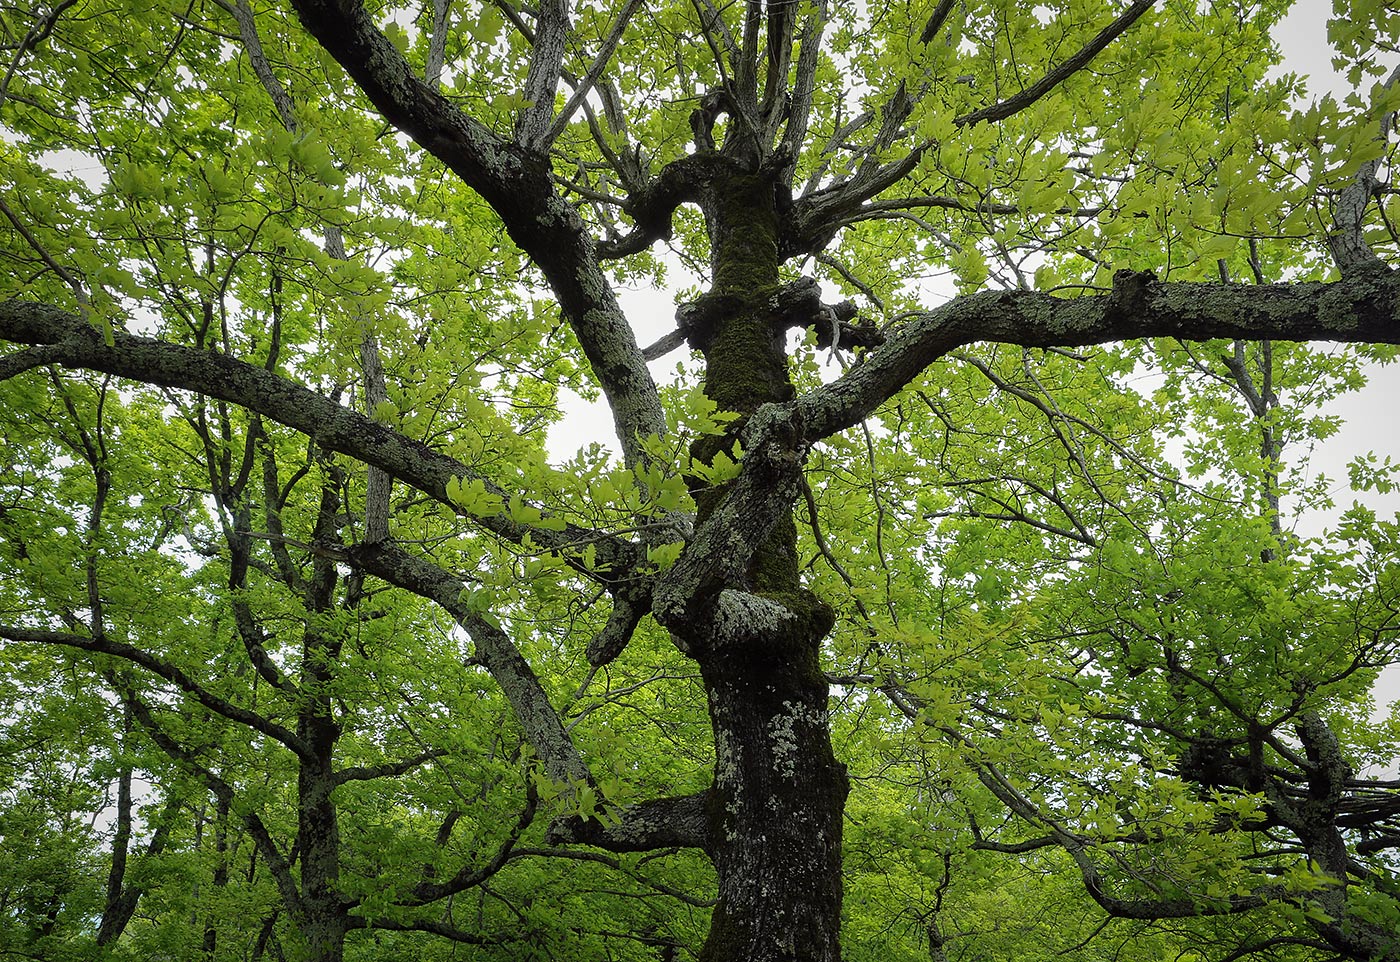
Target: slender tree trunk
[
  {"x": 323, "y": 921},
  {"x": 220, "y": 879},
  {"x": 779, "y": 792},
  {"x": 116, "y": 911}
]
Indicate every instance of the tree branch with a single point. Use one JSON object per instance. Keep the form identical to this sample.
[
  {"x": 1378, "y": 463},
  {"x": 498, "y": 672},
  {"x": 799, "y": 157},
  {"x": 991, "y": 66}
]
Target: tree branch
[
  {"x": 936, "y": 20},
  {"x": 76, "y": 344},
  {"x": 1347, "y": 242},
  {"x": 470, "y": 877},
  {"x": 677, "y": 822},
  {"x": 546, "y": 62},
  {"x": 595, "y": 70},
  {"x": 527, "y": 697},
  {"x": 1357, "y": 309},
  {"x": 277, "y": 863},
  {"x": 688, "y": 595},
  {"x": 163, "y": 669},
  {"x": 364, "y": 773},
  {"x": 515, "y": 180},
  {"x": 1022, "y": 100}
]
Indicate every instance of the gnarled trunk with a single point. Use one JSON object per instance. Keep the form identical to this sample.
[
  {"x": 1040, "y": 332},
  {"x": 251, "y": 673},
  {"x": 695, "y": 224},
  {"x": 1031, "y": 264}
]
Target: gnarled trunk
[{"x": 776, "y": 804}]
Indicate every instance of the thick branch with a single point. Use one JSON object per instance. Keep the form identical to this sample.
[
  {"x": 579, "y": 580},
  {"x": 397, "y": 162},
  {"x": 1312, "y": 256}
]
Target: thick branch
[
  {"x": 1356, "y": 309},
  {"x": 936, "y": 20},
  {"x": 516, "y": 182},
  {"x": 689, "y": 594},
  {"x": 546, "y": 61},
  {"x": 76, "y": 344},
  {"x": 681, "y": 181},
  {"x": 678, "y": 822}
]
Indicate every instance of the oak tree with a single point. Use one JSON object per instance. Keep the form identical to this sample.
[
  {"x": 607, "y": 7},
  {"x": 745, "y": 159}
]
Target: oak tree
[{"x": 291, "y": 295}]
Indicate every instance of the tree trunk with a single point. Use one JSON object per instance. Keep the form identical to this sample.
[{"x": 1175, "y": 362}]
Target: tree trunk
[
  {"x": 776, "y": 804},
  {"x": 323, "y": 917},
  {"x": 323, "y": 920}
]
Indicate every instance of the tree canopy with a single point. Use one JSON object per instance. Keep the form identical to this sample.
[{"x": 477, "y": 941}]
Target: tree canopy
[{"x": 938, "y": 595}]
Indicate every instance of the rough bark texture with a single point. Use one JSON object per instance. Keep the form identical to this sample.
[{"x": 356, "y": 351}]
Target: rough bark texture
[{"x": 776, "y": 803}]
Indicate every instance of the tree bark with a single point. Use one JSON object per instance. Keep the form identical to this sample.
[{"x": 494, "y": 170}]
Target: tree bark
[{"x": 775, "y": 807}]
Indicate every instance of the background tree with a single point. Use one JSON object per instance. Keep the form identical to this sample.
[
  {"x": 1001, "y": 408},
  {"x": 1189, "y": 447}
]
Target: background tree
[{"x": 281, "y": 375}]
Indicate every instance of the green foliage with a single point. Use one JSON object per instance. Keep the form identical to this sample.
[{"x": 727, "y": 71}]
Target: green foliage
[{"x": 1061, "y": 579}]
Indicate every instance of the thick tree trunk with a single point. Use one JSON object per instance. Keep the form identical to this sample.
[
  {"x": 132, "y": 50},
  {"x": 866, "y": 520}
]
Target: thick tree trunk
[
  {"x": 776, "y": 804},
  {"x": 776, "y": 809}
]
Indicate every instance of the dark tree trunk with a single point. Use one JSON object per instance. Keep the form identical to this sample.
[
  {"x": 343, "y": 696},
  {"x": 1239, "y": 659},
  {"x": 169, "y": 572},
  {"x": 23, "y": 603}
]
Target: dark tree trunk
[
  {"x": 323, "y": 918},
  {"x": 776, "y": 804}
]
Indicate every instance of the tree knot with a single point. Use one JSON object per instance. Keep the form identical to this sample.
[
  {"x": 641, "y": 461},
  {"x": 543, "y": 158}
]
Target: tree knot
[{"x": 1130, "y": 292}]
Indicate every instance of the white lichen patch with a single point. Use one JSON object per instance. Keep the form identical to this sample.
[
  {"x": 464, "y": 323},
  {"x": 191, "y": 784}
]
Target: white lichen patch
[{"x": 782, "y": 733}]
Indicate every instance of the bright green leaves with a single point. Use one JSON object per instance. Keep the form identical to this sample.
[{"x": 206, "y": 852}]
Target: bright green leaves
[
  {"x": 723, "y": 466},
  {"x": 526, "y": 514},
  {"x": 1362, "y": 31},
  {"x": 471, "y": 496}
]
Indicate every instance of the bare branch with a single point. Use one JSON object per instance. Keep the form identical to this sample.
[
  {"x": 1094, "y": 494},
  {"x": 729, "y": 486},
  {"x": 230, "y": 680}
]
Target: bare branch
[{"x": 595, "y": 70}]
